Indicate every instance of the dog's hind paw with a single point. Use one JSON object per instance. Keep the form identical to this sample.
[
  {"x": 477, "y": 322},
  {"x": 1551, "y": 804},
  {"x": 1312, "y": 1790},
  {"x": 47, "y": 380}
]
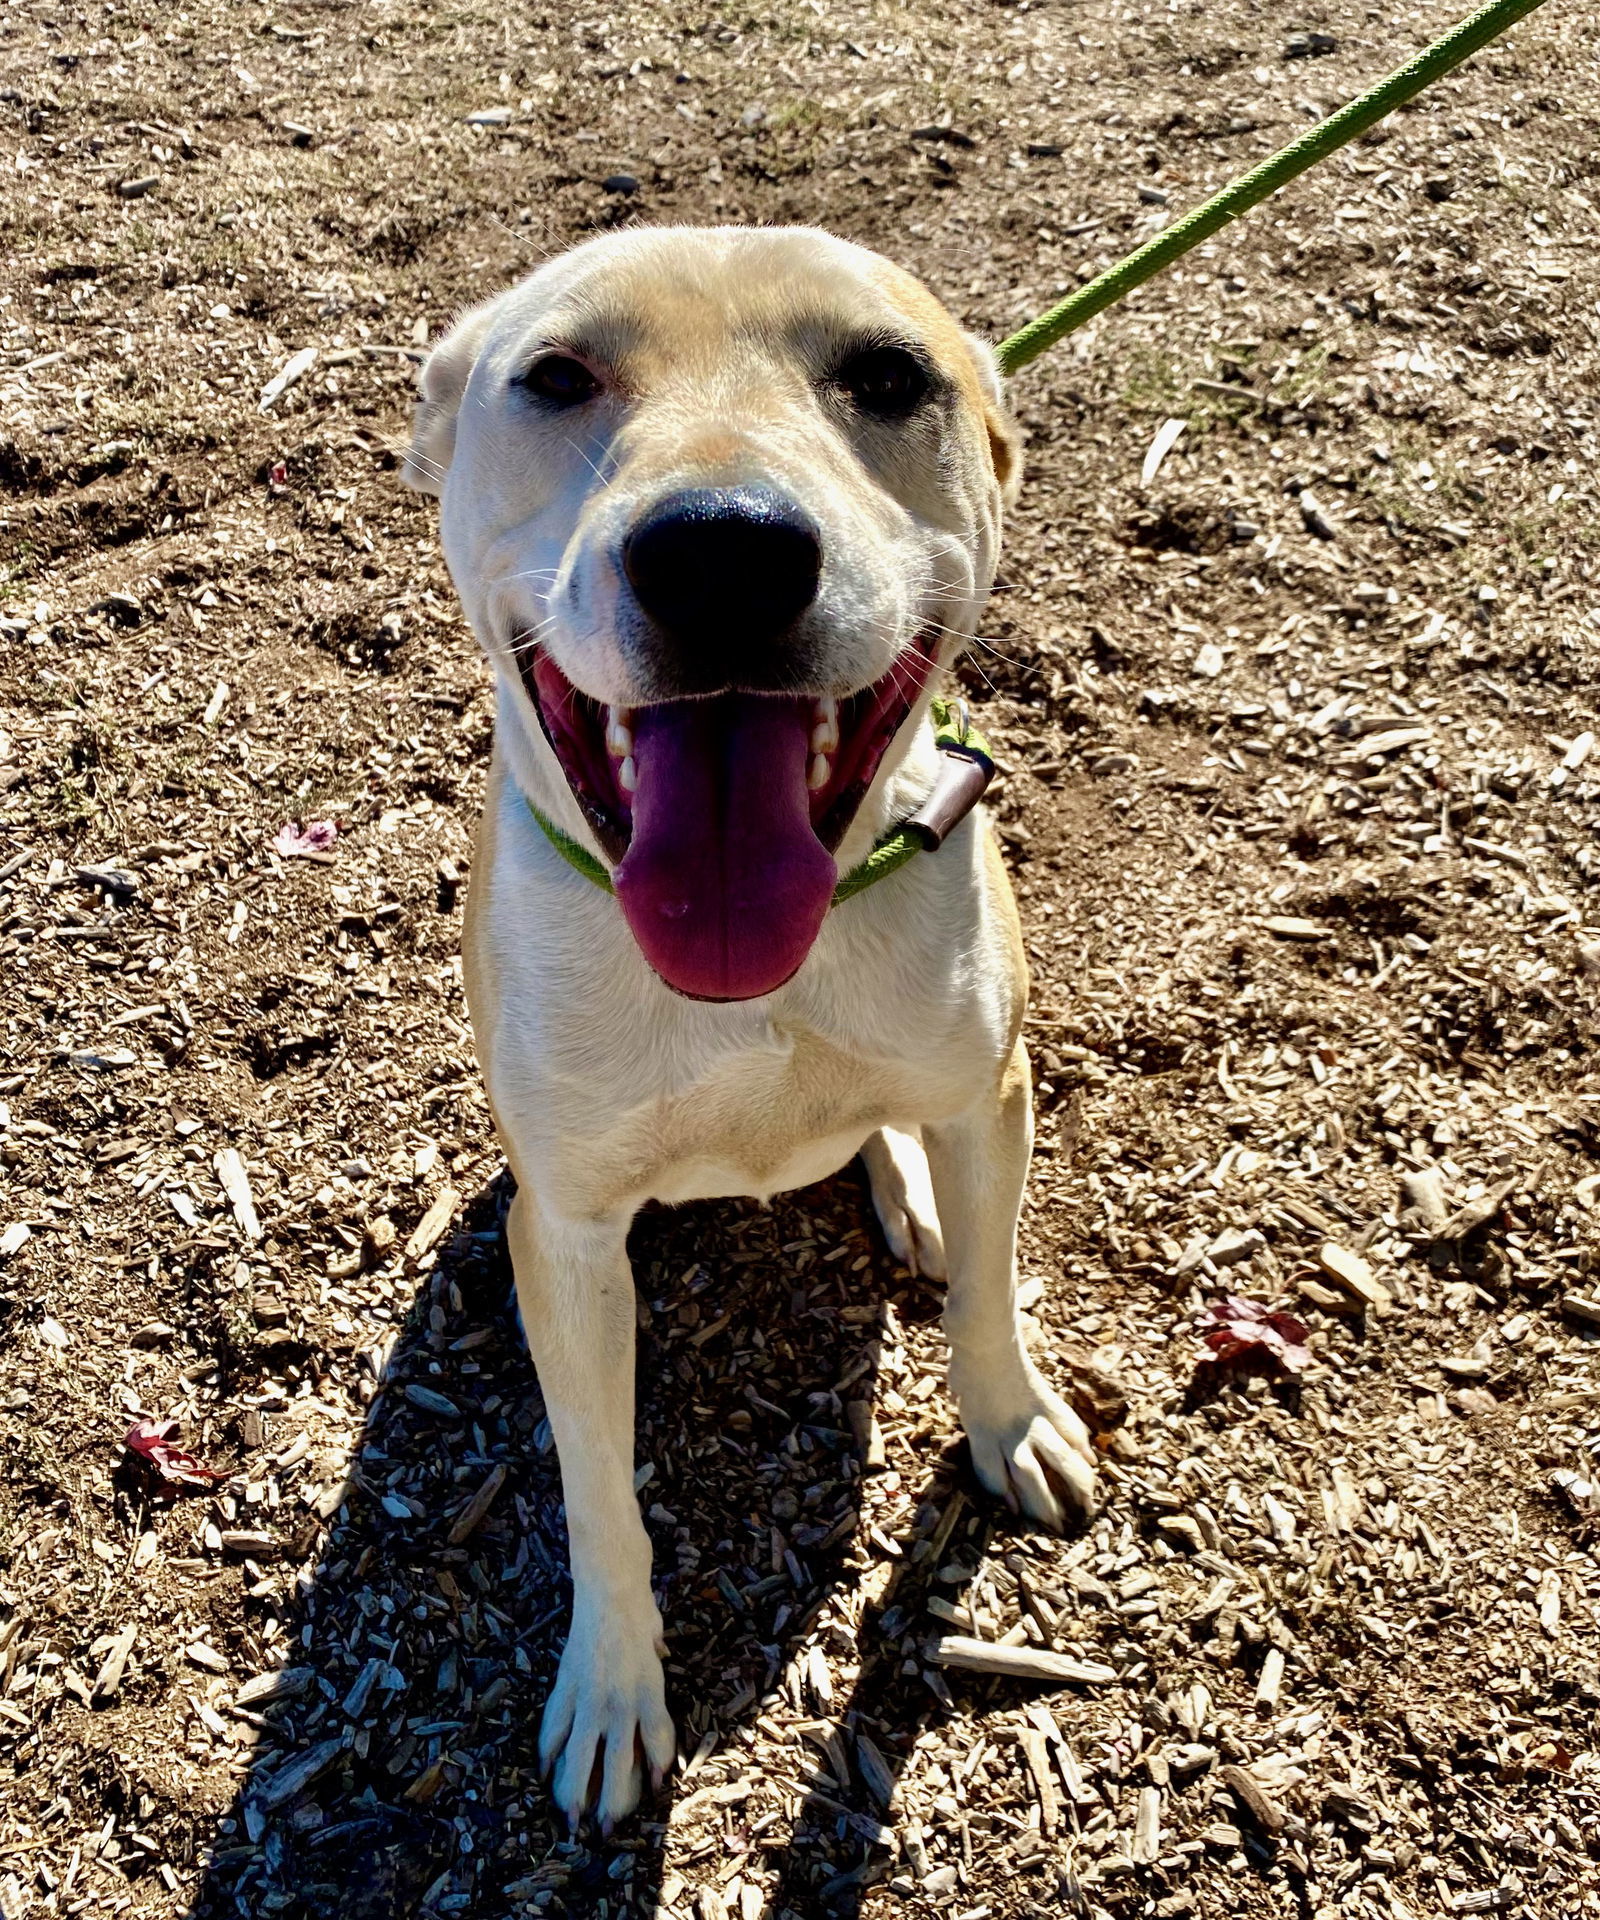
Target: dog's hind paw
[
  {"x": 902, "y": 1198},
  {"x": 606, "y": 1719}
]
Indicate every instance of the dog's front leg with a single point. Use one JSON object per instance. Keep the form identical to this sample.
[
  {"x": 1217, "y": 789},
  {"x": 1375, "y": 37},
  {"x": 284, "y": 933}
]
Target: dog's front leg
[
  {"x": 576, "y": 1294},
  {"x": 1027, "y": 1443}
]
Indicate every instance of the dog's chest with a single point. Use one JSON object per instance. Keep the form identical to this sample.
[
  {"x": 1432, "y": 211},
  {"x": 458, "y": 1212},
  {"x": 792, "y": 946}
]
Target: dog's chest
[{"x": 761, "y": 1120}]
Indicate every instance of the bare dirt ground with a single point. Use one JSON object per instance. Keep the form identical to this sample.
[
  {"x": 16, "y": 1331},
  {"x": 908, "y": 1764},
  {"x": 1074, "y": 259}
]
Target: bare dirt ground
[{"x": 1300, "y": 795}]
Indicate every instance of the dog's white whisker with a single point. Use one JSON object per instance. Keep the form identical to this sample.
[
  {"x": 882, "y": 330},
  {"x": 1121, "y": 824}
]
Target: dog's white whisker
[
  {"x": 975, "y": 640},
  {"x": 999, "y": 653},
  {"x": 527, "y": 638},
  {"x": 402, "y": 449},
  {"x": 935, "y": 591},
  {"x": 535, "y": 253},
  {"x": 583, "y": 453}
]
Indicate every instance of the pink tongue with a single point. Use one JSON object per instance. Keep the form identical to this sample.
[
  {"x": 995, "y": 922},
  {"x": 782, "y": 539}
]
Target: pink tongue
[{"x": 724, "y": 884}]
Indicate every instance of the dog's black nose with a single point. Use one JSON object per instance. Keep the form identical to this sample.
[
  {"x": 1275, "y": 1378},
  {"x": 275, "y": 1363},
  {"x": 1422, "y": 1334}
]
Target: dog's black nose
[{"x": 724, "y": 567}]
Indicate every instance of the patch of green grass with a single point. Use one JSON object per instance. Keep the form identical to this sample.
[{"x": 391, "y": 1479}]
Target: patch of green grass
[
  {"x": 1395, "y": 504},
  {"x": 220, "y": 258},
  {"x": 68, "y": 804},
  {"x": 26, "y": 1464},
  {"x": 791, "y": 22},
  {"x": 22, "y": 563},
  {"x": 1153, "y": 383},
  {"x": 797, "y": 116},
  {"x": 85, "y": 783},
  {"x": 1308, "y": 380},
  {"x": 1544, "y": 529}
]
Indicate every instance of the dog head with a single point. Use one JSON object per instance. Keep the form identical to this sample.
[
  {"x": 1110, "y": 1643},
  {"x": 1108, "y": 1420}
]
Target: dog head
[{"x": 718, "y": 502}]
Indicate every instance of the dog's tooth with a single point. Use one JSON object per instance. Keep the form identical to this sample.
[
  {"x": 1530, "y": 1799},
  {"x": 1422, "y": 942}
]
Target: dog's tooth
[
  {"x": 821, "y": 773},
  {"x": 619, "y": 734},
  {"x": 825, "y": 734},
  {"x": 627, "y": 775}
]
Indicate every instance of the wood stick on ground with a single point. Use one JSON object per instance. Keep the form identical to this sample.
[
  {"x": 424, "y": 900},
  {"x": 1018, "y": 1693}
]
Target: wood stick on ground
[
  {"x": 1017, "y": 1663},
  {"x": 109, "y": 1678},
  {"x": 470, "y": 1518},
  {"x": 1036, "y": 1749},
  {"x": 1263, "y": 1813}
]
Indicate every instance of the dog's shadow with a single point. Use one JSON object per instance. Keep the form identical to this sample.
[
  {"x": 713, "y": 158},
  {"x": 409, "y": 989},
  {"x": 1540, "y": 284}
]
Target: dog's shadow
[{"x": 395, "y": 1771}]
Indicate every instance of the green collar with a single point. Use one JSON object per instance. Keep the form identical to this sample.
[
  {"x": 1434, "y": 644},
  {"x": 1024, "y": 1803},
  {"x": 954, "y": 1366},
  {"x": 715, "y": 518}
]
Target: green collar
[{"x": 965, "y": 772}]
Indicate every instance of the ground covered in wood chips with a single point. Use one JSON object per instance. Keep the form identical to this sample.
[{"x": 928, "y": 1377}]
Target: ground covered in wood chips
[{"x": 1300, "y": 794}]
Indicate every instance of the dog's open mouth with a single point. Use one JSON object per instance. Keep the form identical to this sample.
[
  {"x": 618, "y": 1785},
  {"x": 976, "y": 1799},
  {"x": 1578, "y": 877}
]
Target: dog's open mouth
[{"x": 721, "y": 814}]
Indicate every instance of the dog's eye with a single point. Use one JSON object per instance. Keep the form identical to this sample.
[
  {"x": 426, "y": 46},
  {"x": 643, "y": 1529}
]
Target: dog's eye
[
  {"x": 885, "y": 381},
  {"x": 560, "y": 381}
]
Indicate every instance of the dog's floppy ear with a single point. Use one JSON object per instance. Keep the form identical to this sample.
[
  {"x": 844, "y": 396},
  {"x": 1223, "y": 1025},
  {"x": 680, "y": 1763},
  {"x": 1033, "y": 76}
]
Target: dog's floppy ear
[
  {"x": 1005, "y": 439},
  {"x": 444, "y": 380}
]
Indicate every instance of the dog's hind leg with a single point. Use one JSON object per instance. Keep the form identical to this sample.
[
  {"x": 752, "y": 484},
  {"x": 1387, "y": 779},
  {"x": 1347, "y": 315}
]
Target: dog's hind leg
[
  {"x": 608, "y": 1704},
  {"x": 902, "y": 1197},
  {"x": 1027, "y": 1444}
]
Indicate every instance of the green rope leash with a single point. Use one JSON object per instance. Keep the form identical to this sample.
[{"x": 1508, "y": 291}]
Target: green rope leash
[
  {"x": 1325, "y": 138},
  {"x": 894, "y": 850},
  {"x": 953, "y": 732},
  {"x": 572, "y": 851}
]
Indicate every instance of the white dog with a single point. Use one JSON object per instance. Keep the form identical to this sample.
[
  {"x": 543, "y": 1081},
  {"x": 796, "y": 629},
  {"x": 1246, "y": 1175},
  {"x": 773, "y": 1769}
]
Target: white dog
[{"x": 720, "y": 505}]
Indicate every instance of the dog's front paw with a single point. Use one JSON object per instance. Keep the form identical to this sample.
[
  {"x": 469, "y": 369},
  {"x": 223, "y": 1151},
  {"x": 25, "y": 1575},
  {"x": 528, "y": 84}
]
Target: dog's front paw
[
  {"x": 1028, "y": 1446},
  {"x": 606, "y": 1712}
]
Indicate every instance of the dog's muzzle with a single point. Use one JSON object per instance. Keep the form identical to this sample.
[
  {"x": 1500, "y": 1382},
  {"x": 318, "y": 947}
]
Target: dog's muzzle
[{"x": 722, "y": 576}]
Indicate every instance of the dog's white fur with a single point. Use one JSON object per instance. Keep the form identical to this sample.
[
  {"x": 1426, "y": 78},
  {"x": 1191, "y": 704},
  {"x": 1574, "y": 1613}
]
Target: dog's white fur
[{"x": 899, "y": 1036}]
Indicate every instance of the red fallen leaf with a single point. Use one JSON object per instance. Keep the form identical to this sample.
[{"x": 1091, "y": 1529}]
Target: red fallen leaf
[
  {"x": 307, "y": 836},
  {"x": 1252, "y": 1338},
  {"x": 278, "y": 476},
  {"x": 153, "y": 1442}
]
